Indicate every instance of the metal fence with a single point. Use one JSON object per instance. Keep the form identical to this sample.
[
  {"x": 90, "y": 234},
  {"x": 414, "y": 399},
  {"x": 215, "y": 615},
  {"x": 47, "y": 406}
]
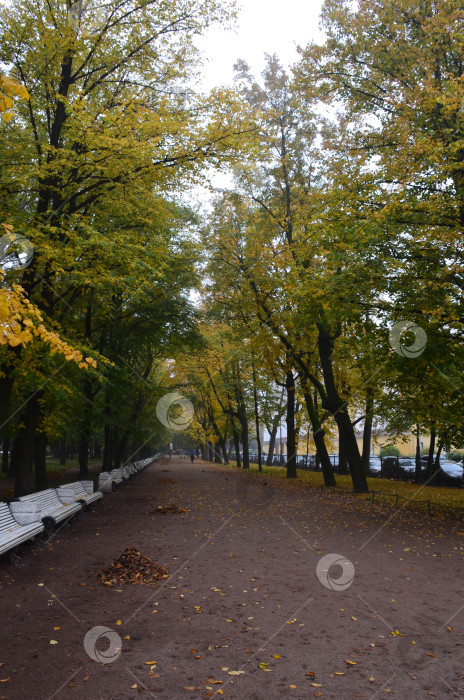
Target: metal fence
[{"x": 393, "y": 468}]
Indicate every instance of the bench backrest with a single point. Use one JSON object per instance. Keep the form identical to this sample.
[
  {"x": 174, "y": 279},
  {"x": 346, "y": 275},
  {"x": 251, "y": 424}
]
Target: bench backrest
[
  {"x": 7, "y": 522},
  {"x": 48, "y": 499},
  {"x": 78, "y": 488}
]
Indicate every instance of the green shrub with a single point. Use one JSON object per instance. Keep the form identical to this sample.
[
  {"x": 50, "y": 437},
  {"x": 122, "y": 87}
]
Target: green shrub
[
  {"x": 455, "y": 455},
  {"x": 390, "y": 451}
]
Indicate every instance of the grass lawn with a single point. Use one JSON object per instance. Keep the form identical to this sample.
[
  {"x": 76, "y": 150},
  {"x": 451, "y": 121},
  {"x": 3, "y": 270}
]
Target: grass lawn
[
  {"x": 439, "y": 500},
  {"x": 53, "y": 465}
]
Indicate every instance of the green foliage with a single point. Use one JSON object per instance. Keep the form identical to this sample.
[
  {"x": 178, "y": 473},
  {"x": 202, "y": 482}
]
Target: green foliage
[
  {"x": 390, "y": 451},
  {"x": 92, "y": 172},
  {"x": 455, "y": 455}
]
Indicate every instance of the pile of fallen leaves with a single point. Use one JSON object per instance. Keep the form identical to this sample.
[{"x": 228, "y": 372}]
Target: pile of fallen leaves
[
  {"x": 167, "y": 480},
  {"x": 170, "y": 509},
  {"x": 132, "y": 567}
]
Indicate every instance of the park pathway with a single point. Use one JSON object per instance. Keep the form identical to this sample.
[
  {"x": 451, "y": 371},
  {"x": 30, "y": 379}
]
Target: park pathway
[{"x": 246, "y": 612}]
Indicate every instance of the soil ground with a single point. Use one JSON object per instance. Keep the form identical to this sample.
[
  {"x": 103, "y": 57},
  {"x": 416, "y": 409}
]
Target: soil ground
[{"x": 243, "y": 613}]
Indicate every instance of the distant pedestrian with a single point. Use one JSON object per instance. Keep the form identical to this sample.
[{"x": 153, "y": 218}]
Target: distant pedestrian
[{"x": 192, "y": 457}]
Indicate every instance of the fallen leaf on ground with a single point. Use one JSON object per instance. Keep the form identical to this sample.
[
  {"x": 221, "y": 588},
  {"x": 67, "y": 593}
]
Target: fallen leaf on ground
[{"x": 170, "y": 509}]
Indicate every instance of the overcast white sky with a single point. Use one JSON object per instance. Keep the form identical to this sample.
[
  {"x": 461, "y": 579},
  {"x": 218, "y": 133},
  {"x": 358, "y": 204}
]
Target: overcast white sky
[
  {"x": 274, "y": 26},
  {"x": 271, "y": 26}
]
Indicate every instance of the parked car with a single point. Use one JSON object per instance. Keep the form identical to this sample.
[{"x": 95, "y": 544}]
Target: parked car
[
  {"x": 402, "y": 469},
  {"x": 375, "y": 465},
  {"x": 408, "y": 464},
  {"x": 450, "y": 474}
]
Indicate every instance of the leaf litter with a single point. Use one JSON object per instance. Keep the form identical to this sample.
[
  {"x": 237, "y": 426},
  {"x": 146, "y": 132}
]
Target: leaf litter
[
  {"x": 170, "y": 509},
  {"x": 132, "y": 567}
]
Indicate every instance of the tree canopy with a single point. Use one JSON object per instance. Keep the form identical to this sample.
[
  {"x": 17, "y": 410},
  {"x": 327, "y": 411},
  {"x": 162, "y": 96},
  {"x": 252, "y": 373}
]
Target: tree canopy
[{"x": 323, "y": 288}]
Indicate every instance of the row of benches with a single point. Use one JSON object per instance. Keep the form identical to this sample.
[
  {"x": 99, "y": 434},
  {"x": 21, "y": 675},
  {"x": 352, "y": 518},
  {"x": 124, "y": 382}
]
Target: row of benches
[{"x": 36, "y": 515}]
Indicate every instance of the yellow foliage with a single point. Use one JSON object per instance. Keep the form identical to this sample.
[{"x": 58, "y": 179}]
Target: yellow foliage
[
  {"x": 8, "y": 89},
  {"x": 21, "y": 322}
]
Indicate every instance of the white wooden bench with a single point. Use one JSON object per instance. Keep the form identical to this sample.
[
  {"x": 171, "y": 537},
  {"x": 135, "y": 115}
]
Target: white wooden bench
[
  {"x": 142, "y": 463},
  {"x": 53, "y": 510},
  {"x": 106, "y": 483},
  {"x": 84, "y": 492},
  {"x": 12, "y": 534},
  {"x": 117, "y": 476}
]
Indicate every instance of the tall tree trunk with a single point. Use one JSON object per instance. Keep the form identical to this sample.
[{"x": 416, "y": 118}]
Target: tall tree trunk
[
  {"x": 418, "y": 456},
  {"x": 437, "y": 456},
  {"x": 107, "y": 449},
  {"x": 24, "y": 454},
  {"x": 217, "y": 452},
  {"x": 62, "y": 452},
  {"x": 290, "y": 420},
  {"x": 243, "y": 420},
  {"x": 339, "y": 409},
  {"x": 224, "y": 451},
  {"x": 319, "y": 440},
  {"x": 342, "y": 460},
  {"x": 84, "y": 437},
  {"x": 40, "y": 461},
  {"x": 13, "y": 457},
  {"x": 221, "y": 445},
  {"x": 245, "y": 444},
  {"x": 298, "y": 417},
  {"x": 7, "y": 379},
  {"x": 121, "y": 450},
  {"x": 222, "y": 438},
  {"x": 83, "y": 453},
  {"x": 430, "y": 456},
  {"x": 272, "y": 441},
  {"x": 258, "y": 436},
  {"x": 367, "y": 432},
  {"x": 5, "y": 453},
  {"x": 237, "y": 446}
]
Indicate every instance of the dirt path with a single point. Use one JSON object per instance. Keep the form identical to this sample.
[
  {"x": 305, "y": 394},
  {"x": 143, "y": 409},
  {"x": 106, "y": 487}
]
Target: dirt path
[{"x": 244, "y": 613}]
